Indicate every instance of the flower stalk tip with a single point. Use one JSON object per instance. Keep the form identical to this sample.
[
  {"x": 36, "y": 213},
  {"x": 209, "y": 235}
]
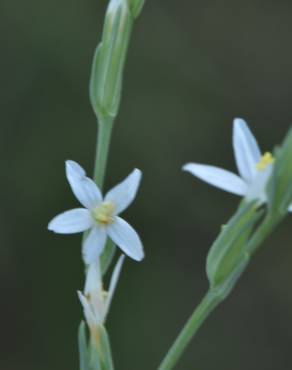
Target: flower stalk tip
[{"x": 109, "y": 60}]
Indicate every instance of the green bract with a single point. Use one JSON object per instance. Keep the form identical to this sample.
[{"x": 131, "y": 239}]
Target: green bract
[
  {"x": 228, "y": 255},
  {"x": 96, "y": 356},
  {"x": 279, "y": 189},
  {"x": 100, "y": 353},
  {"x": 82, "y": 344}
]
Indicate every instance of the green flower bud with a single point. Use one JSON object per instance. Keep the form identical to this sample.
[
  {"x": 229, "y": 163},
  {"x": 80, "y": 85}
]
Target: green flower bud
[
  {"x": 109, "y": 59},
  {"x": 279, "y": 188},
  {"x": 228, "y": 256}
]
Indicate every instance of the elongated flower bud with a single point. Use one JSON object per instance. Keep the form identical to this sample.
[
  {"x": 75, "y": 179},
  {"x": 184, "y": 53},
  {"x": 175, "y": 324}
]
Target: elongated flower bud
[
  {"x": 279, "y": 189},
  {"x": 96, "y": 302},
  {"x": 227, "y": 256},
  {"x": 109, "y": 58}
]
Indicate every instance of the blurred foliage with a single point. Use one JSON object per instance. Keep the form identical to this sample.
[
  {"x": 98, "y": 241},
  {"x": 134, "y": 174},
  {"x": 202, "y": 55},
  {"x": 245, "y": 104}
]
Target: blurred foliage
[{"x": 192, "y": 67}]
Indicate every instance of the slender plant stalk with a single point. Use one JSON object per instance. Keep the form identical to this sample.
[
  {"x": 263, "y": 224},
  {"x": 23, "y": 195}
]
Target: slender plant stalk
[
  {"x": 212, "y": 299},
  {"x": 203, "y": 310},
  {"x": 102, "y": 150}
]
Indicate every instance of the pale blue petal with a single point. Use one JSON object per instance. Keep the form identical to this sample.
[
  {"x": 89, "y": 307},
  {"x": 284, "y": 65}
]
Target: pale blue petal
[
  {"x": 218, "y": 177},
  {"x": 290, "y": 208},
  {"x": 123, "y": 194},
  {"x": 93, "y": 281},
  {"x": 257, "y": 188},
  {"x": 246, "y": 150},
  {"x": 94, "y": 244},
  {"x": 70, "y": 222},
  {"x": 75, "y": 168},
  {"x": 85, "y": 189},
  {"x": 114, "y": 280},
  {"x": 125, "y": 237}
]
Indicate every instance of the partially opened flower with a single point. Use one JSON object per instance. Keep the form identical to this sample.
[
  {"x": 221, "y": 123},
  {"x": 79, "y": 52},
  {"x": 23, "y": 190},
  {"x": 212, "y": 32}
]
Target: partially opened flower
[
  {"x": 253, "y": 167},
  {"x": 100, "y": 215},
  {"x": 95, "y": 300}
]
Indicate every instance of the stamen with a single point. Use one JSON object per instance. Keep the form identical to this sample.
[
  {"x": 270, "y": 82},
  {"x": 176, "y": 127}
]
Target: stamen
[
  {"x": 265, "y": 161},
  {"x": 104, "y": 213}
]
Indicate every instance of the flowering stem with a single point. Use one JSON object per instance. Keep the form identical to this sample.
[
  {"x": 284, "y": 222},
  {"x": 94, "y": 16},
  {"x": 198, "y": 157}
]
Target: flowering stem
[
  {"x": 213, "y": 298},
  {"x": 105, "y": 93},
  {"x": 203, "y": 310},
  {"x": 102, "y": 149}
]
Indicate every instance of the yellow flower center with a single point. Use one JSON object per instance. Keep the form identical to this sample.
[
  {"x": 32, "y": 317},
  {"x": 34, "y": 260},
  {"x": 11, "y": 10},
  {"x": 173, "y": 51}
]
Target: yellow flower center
[
  {"x": 104, "y": 213},
  {"x": 265, "y": 161}
]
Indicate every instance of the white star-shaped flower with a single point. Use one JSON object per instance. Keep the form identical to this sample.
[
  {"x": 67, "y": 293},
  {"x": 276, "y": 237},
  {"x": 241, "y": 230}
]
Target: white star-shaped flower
[
  {"x": 95, "y": 300},
  {"x": 253, "y": 167},
  {"x": 100, "y": 215}
]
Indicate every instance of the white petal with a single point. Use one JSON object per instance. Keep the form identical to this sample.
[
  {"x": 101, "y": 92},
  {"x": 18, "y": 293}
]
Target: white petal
[
  {"x": 290, "y": 208},
  {"x": 94, "y": 244},
  {"x": 218, "y": 177},
  {"x": 124, "y": 193},
  {"x": 75, "y": 168},
  {"x": 70, "y": 222},
  {"x": 125, "y": 237},
  {"x": 84, "y": 189},
  {"x": 114, "y": 281},
  {"x": 246, "y": 149},
  {"x": 257, "y": 188}
]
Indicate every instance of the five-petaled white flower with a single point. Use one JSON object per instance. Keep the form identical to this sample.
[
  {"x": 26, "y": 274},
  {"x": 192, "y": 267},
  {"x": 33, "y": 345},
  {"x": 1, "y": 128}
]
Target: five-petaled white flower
[
  {"x": 95, "y": 300},
  {"x": 100, "y": 216},
  {"x": 254, "y": 168}
]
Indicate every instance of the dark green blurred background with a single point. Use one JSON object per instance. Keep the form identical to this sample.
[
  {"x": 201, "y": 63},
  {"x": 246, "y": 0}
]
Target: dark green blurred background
[{"x": 192, "y": 67}]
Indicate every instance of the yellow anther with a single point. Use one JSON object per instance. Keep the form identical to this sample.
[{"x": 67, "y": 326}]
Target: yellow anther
[
  {"x": 265, "y": 160},
  {"x": 104, "y": 213}
]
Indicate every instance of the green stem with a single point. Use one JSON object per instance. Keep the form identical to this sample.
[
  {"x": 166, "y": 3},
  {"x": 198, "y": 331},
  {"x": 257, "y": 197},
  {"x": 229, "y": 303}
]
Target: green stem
[
  {"x": 212, "y": 300},
  {"x": 203, "y": 310},
  {"x": 102, "y": 150}
]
